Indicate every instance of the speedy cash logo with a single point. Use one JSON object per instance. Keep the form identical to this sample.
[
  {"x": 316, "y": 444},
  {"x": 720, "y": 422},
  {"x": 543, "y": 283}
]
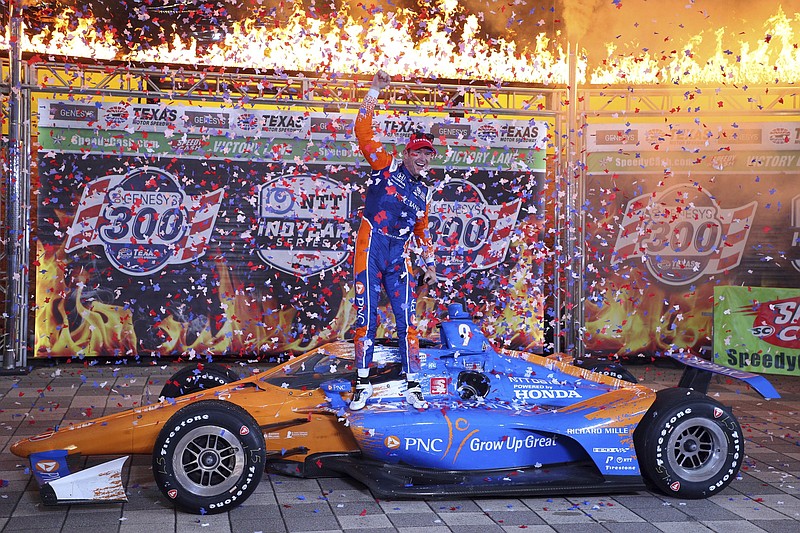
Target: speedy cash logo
[
  {"x": 143, "y": 220},
  {"x": 777, "y": 322},
  {"x": 303, "y": 224},
  {"x": 682, "y": 234},
  {"x": 188, "y": 145}
]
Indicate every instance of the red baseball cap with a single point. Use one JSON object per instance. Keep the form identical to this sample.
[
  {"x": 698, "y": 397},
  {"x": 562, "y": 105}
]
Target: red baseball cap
[{"x": 420, "y": 141}]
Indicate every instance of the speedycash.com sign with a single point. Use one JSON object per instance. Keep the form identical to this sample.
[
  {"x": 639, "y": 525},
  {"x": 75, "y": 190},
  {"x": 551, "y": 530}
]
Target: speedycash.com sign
[{"x": 757, "y": 329}]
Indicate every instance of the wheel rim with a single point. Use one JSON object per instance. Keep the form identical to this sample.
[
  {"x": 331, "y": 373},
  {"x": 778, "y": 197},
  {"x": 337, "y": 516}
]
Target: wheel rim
[
  {"x": 208, "y": 460},
  {"x": 697, "y": 449}
]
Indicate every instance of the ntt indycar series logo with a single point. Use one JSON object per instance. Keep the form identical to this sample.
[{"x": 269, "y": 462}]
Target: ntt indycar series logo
[
  {"x": 473, "y": 234},
  {"x": 143, "y": 220},
  {"x": 682, "y": 234},
  {"x": 303, "y": 225}
]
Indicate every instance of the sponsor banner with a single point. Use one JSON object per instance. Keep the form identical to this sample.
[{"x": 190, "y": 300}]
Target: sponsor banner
[
  {"x": 163, "y": 240},
  {"x": 693, "y": 136},
  {"x": 669, "y": 218},
  {"x": 174, "y": 120},
  {"x": 636, "y": 162},
  {"x": 757, "y": 329},
  {"x": 269, "y": 149}
]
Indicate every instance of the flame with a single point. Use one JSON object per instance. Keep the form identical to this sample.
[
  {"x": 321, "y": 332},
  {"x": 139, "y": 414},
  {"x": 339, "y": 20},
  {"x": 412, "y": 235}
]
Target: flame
[
  {"x": 774, "y": 59},
  {"x": 250, "y": 325},
  {"x": 101, "y": 330},
  {"x": 342, "y": 43},
  {"x": 338, "y": 44}
]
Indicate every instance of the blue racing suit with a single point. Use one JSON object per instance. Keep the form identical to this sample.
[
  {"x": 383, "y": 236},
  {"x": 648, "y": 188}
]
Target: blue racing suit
[{"x": 395, "y": 211}]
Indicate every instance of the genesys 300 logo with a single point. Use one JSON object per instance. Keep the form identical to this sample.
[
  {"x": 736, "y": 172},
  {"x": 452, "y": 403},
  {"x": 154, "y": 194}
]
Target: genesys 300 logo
[
  {"x": 144, "y": 220},
  {"x": 472, "y": 233},
  {"x": 681, "y": 234}
]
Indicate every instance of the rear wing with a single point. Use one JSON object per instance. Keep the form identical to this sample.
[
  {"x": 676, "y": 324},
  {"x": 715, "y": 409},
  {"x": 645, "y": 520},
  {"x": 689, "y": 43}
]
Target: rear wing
[{"x": 698, "y": 372}]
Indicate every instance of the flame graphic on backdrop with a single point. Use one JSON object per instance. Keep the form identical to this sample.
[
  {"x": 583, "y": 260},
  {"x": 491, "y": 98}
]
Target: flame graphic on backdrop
[
  {"x": 251, "y": 326},
  {"x": 390, "y": 40},
  {"x": 624, "y": 323}
]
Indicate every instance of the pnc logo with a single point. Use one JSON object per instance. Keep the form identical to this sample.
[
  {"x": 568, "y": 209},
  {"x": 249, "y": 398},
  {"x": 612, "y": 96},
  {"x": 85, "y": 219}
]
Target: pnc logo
[
  {"x": 391, "y": 442},
  {"x": 47, "y": 466}
]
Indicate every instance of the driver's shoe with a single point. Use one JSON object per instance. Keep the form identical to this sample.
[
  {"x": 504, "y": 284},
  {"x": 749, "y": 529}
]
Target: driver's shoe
[
  {"x": 414, "y": 396},
  {"x": 360, "y": 395}
]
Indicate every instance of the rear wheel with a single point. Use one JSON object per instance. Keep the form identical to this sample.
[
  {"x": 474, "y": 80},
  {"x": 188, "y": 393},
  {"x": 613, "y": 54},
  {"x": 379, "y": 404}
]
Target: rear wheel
[
  {"x": 209, "y": 457},
  {"x": 688, "y": 445},
  {"x": 201, "y": 376}
]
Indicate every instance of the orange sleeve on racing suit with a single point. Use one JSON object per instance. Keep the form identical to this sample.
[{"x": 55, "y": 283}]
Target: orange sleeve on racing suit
[{"x": 372, "y": 150}]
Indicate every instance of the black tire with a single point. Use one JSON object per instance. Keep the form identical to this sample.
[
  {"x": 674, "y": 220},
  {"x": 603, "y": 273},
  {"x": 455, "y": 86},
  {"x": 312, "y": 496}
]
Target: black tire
[
  {"x": 689, "y": 445},
  {"x": 209, "y": 457},
  {"x": 201, "y": 376}
]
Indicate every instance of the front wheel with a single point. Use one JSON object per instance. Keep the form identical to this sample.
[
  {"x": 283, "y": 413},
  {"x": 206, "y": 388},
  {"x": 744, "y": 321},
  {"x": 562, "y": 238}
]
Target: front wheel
[
  {"x": 209, "y": 457},
  {"x": 689, "y": 446}
]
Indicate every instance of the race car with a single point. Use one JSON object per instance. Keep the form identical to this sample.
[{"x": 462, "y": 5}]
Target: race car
[{"x": 499, "y": 422}]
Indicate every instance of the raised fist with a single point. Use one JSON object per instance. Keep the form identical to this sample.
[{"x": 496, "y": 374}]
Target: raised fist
[{"x": 381, "y": 80}]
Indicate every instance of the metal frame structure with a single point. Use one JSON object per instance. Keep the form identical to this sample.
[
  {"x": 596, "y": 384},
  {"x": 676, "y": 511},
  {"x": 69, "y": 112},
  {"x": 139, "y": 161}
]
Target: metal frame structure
[
  {"x": 182, "y": 83},
  {"x": 569, "y": 108}
]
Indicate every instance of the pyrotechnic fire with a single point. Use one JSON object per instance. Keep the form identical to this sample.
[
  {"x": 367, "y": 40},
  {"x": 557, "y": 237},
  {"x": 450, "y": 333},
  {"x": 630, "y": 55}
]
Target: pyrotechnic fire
[
  {"x": 344, "y": 43},
  {"x": 774, "y": 59},
  {"x": 622, "y": 323},
  {"x": 336, "y": 45}
]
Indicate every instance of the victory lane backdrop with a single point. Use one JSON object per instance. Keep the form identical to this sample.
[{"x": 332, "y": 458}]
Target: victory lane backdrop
[
  {"x": 209, "y": 241},
  {"x": 677, "y": 211}
]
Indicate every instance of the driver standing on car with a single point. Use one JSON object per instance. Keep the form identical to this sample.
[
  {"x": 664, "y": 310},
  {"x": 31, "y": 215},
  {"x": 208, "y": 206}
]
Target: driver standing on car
[{"x": 395, "y": 213}]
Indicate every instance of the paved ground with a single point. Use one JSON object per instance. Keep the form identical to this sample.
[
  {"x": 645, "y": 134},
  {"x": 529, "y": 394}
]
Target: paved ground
[{"x": 766, "y": 497}]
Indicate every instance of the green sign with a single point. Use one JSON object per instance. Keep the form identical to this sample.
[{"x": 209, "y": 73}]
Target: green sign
[{"x": 757, "y": 329}]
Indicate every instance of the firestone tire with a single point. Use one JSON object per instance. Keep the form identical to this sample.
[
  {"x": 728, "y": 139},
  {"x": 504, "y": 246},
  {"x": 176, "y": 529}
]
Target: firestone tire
[
  {"x": 209, "y": 457},
  {"x": 196, "y": 378},
  {"x": 689, "y": 446}
]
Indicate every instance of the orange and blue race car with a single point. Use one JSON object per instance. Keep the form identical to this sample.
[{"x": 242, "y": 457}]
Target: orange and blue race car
[{"x": 498, "y": 423}]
